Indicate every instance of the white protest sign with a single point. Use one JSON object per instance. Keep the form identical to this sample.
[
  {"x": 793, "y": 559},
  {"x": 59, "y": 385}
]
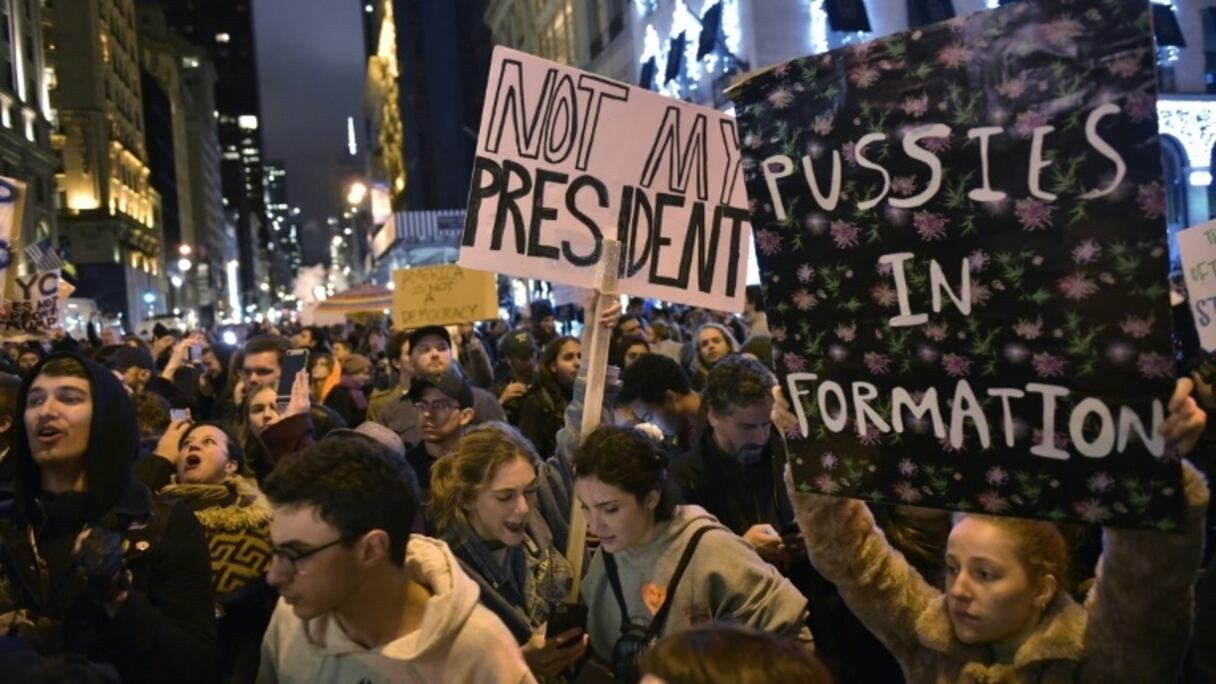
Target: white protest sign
[
  {"x": 1197, "y": 247},
  {"x": 567, "y": 159}
]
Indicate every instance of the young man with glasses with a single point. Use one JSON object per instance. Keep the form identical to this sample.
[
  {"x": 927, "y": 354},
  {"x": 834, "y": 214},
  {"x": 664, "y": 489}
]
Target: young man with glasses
[
  {"x": 445, "y": 406},
  {"x": 358, "y": 603}
]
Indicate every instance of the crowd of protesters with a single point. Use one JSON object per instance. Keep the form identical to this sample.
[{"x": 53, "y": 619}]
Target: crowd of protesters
[{"x": 400, "y": 509}]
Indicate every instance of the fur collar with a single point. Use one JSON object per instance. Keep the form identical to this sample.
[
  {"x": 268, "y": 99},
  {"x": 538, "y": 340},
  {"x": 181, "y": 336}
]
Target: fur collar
[
  {"x": 1060, "y": 636},
  {"x": 235, "y": 505}
]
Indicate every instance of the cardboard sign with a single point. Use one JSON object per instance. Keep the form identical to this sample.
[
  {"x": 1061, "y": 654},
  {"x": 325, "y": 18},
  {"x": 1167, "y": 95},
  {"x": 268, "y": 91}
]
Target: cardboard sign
[
  {"x": 567, "y": 159},
  {"x": 439, "y": 295},
  {"x": 32, "y": 310},
  {"x": 1197, "y": 247},
  {"x": 961, "y": 238}
]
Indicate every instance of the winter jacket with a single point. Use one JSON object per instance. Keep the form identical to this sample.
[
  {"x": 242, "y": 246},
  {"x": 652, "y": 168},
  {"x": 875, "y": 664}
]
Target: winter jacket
[
  {"x": 725, "y": 581},
  {"x": 541, "y": 416},
  {"x": 165, "y": 629},
  {"x": 1134, "y": 626},
  {"x": 236, "y": 518},
  {"x": 739, "y": 495},
  {"x": 403, "y": 417},
  {"x": 458, "y": 641},
  {"x": 348, "y": 400}
]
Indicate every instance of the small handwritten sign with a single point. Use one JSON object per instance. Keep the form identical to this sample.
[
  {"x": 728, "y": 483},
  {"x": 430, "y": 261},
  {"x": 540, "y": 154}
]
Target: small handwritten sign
[
  {"x": 1197, "y": 246},
  {"x": 439, "y": 295}
]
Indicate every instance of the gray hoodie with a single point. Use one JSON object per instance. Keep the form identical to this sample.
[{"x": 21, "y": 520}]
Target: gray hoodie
[
  {"x": 725, "y": 581},
  {"x": 459, "y": 640}
]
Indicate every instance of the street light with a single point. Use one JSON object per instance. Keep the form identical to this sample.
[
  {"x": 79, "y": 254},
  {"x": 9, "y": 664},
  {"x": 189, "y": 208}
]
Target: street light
[
  {"x": 183, "y": 264},
  {"x": 176, "y": 280},
  {"x": 184, "y": 250},
  {"x": 356, "y": 194}
]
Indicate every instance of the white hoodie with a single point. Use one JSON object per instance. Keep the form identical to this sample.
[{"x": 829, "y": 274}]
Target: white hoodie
[{"x": 459, "y": 639}]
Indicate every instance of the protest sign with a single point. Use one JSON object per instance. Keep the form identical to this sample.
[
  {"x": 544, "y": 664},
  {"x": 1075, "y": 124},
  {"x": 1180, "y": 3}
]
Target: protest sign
[
  {"x": 567, "y": 159},
  {"x": 12, "y": 210},
  {"x": 32, "y": 309},
  {"x": 438, "y": 295},
  {"x": 961, "y": 239},
  {"x": 1197, "y": 247}
]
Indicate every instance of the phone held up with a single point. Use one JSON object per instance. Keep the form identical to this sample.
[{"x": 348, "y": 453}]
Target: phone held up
[{"x": 294, "y": 361}]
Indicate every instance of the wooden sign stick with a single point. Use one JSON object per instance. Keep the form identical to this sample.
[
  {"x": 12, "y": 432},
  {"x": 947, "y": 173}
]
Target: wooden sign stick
[{"x": 596, "y": 359}]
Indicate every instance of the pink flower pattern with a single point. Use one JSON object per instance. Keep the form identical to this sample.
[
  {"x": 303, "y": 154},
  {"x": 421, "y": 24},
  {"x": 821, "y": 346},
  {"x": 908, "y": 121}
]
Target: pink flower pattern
[
  {"x": 1048, "y": 365},
  {"x": 1077, "y": 286},
  {"x": 1086, "y": 252},
  {"x": 768, "y": 242},
  {"x": 1154, "y": 365},
  {"x": 929, "y": 226},
  {"x": 884, "y": 295},
  {"x": 956, "y": 366},
  {"x": 1033, "y": 214},
  {"x": 803, "y": 300},
  {"x": 877, "y": 364},
  {"x": 845, "y": 234},
  {"x": 1137, "y": 327},
  {"x": 1151, "y": 198}
]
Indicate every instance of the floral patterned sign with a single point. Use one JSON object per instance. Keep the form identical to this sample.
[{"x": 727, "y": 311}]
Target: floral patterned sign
[{"x": 963, "y": 252}]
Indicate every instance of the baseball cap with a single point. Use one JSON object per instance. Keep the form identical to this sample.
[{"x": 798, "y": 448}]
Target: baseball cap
[
  {"x": 518, "y": 344},
  {"x": 374, "y": 431},
  {"x": 426, "y": 330},
  {"x": 454, "y": 386}
]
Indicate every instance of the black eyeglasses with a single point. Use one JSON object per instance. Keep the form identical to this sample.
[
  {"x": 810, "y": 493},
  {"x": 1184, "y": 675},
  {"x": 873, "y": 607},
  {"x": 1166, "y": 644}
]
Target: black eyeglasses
[
  {"x": 293, "y": 558},
  {"x": 433, "y": 407}
]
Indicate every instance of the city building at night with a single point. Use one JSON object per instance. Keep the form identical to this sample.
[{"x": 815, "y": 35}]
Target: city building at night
[
  {"x": 426, "y": 80},
  {"x": 109, "y": 211},
  {"x": 225, "y": 31},
  {"x": 25, "y": 132},
  {"x": 284, "y": 245}
]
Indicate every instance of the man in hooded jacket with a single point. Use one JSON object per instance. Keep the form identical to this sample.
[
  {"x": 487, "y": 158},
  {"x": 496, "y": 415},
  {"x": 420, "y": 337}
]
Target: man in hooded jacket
[{"x": 89, "y": 565}]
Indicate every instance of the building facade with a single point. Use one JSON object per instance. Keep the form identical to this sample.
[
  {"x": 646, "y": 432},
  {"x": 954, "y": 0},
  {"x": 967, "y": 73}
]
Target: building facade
[
  {"x": 426, "y": 77},
  {"x": 225, "y": 31},
  {"x": 25, "y": 131},
  {"x": 284, "y": 246},
  {"x": 109, "y": 212}
]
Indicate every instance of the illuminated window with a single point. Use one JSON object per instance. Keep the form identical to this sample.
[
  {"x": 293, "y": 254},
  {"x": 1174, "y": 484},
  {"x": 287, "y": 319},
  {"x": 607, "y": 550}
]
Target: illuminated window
[
  {"x": 190, "y": 62},
  {"x": 222, "y": 38}
]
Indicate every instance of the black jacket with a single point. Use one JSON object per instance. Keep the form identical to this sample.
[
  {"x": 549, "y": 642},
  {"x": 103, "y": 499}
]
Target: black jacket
[
  {"x": 541, "y": 414},
  {"x": 165, "y": 629},
  {"x": 738, "y": 495}
]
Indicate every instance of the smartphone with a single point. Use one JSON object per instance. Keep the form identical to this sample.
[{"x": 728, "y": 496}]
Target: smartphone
[
  {"x": 196, "y": 353},
  {"x": 565, "y": 617},
  {"x": 294, "y": 361},
  {"x": 790, "y": 529},
  {"x": 179, "y": 415}
]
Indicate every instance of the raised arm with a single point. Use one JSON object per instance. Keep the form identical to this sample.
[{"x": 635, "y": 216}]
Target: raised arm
[
  {"x": 1141, "y": 607},
  {"x": 879, "y": 586}
]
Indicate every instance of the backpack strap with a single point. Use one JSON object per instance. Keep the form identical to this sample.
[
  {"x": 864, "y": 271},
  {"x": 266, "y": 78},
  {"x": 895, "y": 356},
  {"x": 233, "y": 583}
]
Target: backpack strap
[
  {"x": 660, "y": 618},
  {"x": 615, "y": 581}
]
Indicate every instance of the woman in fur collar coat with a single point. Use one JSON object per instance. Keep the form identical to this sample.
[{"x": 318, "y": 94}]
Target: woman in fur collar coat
[
  {"x": 236, "y": 519},
  {"x": 1004, "y": 617}
]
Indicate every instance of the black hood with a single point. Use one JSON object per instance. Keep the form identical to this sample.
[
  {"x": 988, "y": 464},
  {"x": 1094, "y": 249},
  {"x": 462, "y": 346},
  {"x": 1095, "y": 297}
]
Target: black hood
[{"x": 113, "y": 441}]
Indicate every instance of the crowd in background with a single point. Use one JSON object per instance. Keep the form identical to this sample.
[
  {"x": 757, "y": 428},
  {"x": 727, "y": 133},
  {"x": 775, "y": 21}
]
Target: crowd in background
[{"x": 181, "y": 509}]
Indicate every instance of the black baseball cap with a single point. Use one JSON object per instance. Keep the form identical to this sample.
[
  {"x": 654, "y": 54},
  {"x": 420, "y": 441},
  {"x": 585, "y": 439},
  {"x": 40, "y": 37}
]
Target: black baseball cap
[
  {"x": 517, "y": 344},
  {"x": 437, "y": 330},
  {"x": 453, "y": 386}
]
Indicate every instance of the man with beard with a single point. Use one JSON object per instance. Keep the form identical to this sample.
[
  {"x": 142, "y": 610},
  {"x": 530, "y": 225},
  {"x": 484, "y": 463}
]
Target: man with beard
[
  {"x": 734, "y": 466},
  {"x": 430, "y": 353}
]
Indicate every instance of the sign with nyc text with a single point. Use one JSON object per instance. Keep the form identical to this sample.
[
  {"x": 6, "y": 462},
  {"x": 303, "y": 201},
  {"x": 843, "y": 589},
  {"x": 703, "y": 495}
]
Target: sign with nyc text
[
  {"x": 1197, "y": 247},
  {"x": 567, "y": 159},
  {"x": 961, "y": 238},
  {"x": 443, "y": 295}
]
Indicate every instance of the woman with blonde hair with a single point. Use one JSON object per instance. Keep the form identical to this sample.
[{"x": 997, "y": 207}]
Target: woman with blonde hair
[{"x": 484, "y": 504}]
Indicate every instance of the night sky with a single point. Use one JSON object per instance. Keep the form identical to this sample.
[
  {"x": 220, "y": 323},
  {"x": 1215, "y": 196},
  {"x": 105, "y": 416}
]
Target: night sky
[{"x": 311, "y": 66}]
